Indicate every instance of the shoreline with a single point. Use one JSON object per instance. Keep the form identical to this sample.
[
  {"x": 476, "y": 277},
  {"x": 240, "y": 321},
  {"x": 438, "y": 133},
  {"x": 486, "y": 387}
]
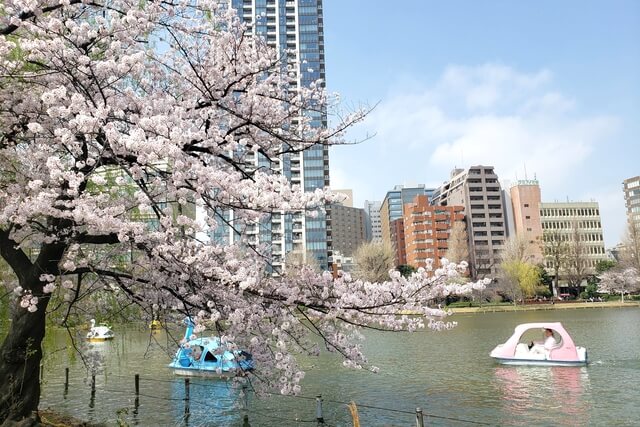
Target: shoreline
[{"x": 536, "y": 307}]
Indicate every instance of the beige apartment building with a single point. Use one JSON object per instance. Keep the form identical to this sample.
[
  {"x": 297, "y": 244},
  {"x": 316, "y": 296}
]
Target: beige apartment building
[{"x": 478, "y": 190}]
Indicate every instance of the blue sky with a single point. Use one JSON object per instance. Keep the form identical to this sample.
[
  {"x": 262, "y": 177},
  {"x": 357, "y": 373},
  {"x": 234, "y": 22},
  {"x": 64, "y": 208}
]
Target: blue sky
[{"x": 553, "y": 87}]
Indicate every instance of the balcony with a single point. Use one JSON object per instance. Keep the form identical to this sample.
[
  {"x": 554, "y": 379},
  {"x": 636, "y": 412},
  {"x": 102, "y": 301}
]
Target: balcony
[{"x": 421, "y": 228}]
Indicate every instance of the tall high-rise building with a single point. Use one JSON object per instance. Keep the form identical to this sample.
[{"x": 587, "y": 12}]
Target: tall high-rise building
[
  {"x": 478, "y": 190},
  {"x": 631, "y": 187},
  {"x": 525, "y": 202},
  {"x": 372, "y": 218},
  {"x": 295, "y": 29}
]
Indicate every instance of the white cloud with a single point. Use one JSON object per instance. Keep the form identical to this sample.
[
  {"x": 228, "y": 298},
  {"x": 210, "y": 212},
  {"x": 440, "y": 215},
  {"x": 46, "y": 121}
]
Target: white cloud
[
  {"x": 489, "y": 85},
  {"x": 553, "y": 149},
  {"x": 489, "y": 114}
]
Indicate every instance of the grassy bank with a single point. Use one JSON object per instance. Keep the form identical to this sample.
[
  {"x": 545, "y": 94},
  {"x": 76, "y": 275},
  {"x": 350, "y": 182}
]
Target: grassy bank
[
  {"x": 51, "y": 418},
  {"x": 534, "y": 307}
]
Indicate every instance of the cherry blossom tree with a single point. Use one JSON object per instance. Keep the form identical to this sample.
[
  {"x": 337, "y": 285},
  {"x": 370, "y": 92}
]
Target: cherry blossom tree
[
  {"x": 620, "y": 281},
  {"x": 117, "y": 118},
  {"x": 458, "y": 243}
]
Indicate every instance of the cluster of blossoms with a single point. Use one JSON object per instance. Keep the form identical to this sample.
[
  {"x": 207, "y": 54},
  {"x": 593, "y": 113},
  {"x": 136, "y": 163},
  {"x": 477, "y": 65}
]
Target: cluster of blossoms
[
  {"x": 620, "y": 281},
  {"x": 29, "y": 302}
]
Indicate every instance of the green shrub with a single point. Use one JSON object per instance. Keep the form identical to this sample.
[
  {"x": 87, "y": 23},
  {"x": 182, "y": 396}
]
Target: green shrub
[{"x": 458, "y": 304}]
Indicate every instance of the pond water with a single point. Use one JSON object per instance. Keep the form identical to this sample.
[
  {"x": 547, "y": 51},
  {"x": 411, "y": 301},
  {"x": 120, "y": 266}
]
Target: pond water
[{"x": 447, "y": 374}]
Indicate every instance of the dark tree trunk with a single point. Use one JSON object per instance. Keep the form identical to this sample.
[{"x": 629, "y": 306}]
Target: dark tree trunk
[
  {"x": 20, "y": 355},
  {"x": 21, "y": 351}
]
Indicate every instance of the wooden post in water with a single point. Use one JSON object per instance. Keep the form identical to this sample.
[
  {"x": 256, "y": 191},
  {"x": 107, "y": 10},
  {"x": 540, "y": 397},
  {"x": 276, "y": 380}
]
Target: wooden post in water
[
  {"x": 245, "y": 406},
  {"x": 419, "y": 418},
  {"x": 319, "y": 416},
  {"x": 66, "y": 383},
  {"x": 245, "y": 397},
  {"x": 137, "y": 400},
  {"x": 186, "y": 397},
  {"x": 93, "y": 391}
]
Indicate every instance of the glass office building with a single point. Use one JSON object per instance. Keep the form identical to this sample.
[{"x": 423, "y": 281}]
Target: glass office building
[{"x": 295, "y": 28}]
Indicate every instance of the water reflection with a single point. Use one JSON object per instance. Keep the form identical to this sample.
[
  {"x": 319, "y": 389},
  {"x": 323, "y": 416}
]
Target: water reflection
[
  {"x": 211, "y": 402},
  {"x": 449, "y": 374},
  {"x": 557, "y": 394}
]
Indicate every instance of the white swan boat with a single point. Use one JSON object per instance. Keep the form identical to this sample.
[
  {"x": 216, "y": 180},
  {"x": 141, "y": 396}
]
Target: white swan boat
[{"x": 100, "y": 332}]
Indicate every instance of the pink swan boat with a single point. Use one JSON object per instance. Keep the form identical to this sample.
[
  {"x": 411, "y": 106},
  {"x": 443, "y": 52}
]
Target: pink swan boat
[{"x": 563, "y": 353}]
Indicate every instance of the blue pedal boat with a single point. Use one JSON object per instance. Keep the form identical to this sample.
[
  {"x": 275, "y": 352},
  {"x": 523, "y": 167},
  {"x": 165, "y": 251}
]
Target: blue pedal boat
[{"x": 203, "y": 357}]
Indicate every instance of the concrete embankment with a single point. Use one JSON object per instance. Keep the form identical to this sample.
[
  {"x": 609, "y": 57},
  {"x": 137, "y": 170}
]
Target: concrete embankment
[{"x": 534, "y": 307}]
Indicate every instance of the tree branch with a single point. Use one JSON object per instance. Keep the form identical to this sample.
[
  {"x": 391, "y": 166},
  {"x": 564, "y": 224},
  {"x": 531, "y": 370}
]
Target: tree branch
[{"x": 13, "y": 255}]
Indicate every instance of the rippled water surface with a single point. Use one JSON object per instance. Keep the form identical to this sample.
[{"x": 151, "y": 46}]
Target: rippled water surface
[{"x": 448, "y": 374}]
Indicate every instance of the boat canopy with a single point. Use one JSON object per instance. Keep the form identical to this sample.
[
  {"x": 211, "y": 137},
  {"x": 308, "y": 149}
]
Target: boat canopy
[{"x": 566, "y": 349}]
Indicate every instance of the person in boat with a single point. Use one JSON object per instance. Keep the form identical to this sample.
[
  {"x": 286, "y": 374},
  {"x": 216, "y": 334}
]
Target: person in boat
[
  {"x": 196, "y": 352},
  {"x": 541, "y": 347}
]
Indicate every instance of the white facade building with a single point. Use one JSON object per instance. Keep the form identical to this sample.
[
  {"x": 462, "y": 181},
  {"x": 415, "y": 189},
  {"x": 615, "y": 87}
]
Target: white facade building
[
  {"x": 372, "y": 218},
  {"x": 576, "y": 224}
]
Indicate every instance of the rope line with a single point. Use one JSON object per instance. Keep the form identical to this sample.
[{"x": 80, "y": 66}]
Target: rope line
[
  {"x": 177, "y": 381},
  {"x": 261, "y": 413},
  {"x": 400, "y": 411}
]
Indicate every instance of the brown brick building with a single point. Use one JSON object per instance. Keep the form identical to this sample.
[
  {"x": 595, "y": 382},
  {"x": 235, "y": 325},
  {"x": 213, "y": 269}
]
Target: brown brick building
[
  {"x": 398, "y": 241},
  {"x": 427, "y": 229}
]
